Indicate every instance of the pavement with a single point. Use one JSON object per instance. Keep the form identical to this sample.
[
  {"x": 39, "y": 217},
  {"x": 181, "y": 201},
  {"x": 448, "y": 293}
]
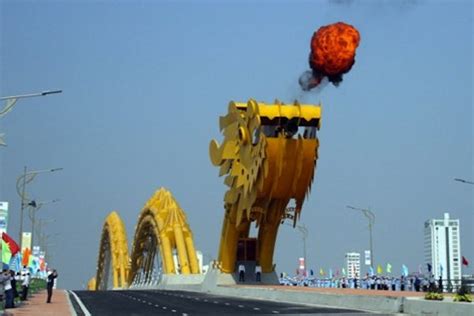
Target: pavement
[
  {"x": 184, "y": 303},
  {"x": 336, "y": 290},
  {"x": 36, "y": 305}
]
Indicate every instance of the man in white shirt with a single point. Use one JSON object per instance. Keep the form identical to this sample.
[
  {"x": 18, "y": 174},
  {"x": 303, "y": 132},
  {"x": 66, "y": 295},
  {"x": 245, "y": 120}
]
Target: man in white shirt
[
  {"x": 258, "y": 272},
  {"x": 241, "y": 273},
  {"x": 25, "y": 284}
]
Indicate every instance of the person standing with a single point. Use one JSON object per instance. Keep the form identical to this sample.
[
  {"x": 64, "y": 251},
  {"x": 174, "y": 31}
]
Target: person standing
[
  {"x": 241, "y": 273},
  {"x": 25, "y": 284},
  {"x": 15, "y": 278},
  {"x": 50, "y": 284},
  {"x": 8, "y": 290},
  {"x": 440, "y": 284},
  {"x": 258, "y": 272}
]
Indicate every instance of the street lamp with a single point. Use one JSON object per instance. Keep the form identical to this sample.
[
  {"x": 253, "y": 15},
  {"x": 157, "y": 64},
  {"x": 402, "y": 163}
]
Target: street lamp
[
  {"x": 10, "y": 102},
  {"x": 290, "y": 214},
  {"x": 371, "y": 217},
  {"x": 35, "y": 207},
  {"x": 26, "y": 178},
  {"x": 463, "y": 181},
  {"x": 304, "y": 232}
]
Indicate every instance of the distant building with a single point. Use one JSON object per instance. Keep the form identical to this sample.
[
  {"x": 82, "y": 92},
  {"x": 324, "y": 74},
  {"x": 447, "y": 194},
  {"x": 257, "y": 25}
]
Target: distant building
[
  {"x": 443, "y": 248},
  {"x": 353, "y": 264},
  {"x": 3, "y": 217}
]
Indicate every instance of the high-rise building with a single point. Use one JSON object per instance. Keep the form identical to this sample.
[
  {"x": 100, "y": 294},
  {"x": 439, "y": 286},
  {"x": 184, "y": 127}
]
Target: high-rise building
[
  {"x": 443, "y": 249},
  {"x": 3, "y": 217},
  {"x": 353, "y": 264}
]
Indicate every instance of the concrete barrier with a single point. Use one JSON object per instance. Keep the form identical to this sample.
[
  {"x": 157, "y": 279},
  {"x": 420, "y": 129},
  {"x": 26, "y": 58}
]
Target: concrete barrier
[{"x": 414, "y": 306}]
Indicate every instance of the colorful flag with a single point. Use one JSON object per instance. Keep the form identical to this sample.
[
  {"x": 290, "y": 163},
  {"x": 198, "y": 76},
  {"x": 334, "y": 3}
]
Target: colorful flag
[
  {"x": 420, "y": 269},
  {"x": 404, "y": 270},
  {"x": 389, "y": 268},
  {"x": 26, "y": 257},
  {"x": 371, "y": 271},
  {"x": 14, "y": 248},
  {"x": 330, "y": 273},
  {"x": 337, "y": 273},
  {"x": 343, "y": 271},
  {"x": 6, "y": 253},
  {"x": 464, "y": 261},
  {"x": 321, "y": 272},
  {"x": 379, "y": 269}
]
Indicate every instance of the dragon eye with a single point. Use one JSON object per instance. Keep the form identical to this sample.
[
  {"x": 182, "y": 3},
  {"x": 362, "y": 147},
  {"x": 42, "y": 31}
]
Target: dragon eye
[
  {"x": 243, "y": 135},
  {"x": 256, "y": 136}
]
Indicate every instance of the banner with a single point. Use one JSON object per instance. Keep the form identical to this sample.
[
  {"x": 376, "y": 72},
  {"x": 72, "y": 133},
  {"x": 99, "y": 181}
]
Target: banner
[
  {"x": 25, "y": 241},
  {"x": 367, "y": 258}
]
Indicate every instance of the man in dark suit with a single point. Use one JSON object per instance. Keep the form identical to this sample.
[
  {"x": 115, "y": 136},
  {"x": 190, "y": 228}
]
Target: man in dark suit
[{"x": 50, "y": 284}]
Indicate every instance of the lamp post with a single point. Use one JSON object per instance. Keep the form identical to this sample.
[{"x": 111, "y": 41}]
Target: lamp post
[
  {"x": 24, "y": 179},
  {"x": 10, "y": 102},
  {"x": 290, "y": 214},
  {"x": 463, "y": 181},
  {"x": 304, "y": 231},
  {"x": 371, "y": 217},
  {"x": 35, "y": 207}
]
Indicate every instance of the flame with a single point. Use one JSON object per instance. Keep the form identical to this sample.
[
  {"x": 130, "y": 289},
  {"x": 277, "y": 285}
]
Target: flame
[{"x": 333, "y": 49}]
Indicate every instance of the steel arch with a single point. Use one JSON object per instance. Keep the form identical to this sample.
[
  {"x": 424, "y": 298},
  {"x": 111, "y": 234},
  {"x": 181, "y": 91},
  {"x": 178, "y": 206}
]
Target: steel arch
[
  {"x": 113, "y": 253},
  {"x": 162, "y": 227}
]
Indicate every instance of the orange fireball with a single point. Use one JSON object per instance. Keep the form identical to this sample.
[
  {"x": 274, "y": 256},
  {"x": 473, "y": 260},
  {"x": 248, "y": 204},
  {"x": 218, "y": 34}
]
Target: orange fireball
[{"x": 333, "y": 50}]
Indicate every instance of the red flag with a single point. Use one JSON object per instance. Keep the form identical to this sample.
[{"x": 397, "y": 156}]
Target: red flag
[
  {"x": 14, "y": 248},
  {"x": 464, "y": 261}
]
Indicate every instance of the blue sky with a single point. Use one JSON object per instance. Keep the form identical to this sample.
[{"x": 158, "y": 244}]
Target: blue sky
[{"x": 145, "y": 82}]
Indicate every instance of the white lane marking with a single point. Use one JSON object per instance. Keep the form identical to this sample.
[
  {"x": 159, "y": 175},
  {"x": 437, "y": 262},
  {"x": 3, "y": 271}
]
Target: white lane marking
[
  {"x": 157, "y": 305},
  {"x": 150, "y": 303},
  {"x": 197, "y": 299},
  {"x": 241, "y": 306},
  {"x": 216, "y": 302},
  {"x": 275, "y": 312},
  {"x": 205, "y": 300},
  {"x": 81, "y": 305},
  {"x": 227, "y": 304},
  {"x": 184, "y": 314},
  {"x": 164, "y": 307},
  {"x": 256, "y": 309},
  {"x": 173, "y": 310},
  {"x": 71, "y": 308}
]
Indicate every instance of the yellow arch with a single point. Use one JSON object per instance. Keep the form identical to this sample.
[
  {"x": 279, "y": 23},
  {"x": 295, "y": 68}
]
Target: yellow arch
[
  {"x": 91, "y": 285},
  {"x": 113, "y": 253},
  {"x": 162, "y": 226}
]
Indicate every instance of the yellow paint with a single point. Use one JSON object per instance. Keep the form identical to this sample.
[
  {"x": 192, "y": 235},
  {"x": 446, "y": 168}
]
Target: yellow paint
[
  {"x": 265, "y": 166},
  {"x": 163, "y": 220},
  {"x": 113, "y": 245}
]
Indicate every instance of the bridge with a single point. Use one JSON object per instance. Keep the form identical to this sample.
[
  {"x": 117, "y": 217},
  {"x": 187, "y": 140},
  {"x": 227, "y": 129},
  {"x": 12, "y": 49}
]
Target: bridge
[{"x": 267, "y": 158}]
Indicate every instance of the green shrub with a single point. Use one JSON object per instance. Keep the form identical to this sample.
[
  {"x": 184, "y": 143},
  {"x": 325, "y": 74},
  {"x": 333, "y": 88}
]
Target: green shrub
[
  {"x": 462, "y": 295},
  {"x": 434, "y": 296},
  {"x": 37, "y": 285}
]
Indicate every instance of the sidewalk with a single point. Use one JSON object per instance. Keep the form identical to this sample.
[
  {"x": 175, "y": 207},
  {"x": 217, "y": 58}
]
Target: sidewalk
[
  {"x": 339, "y": 290},
  {"x": 36, "y": 305}
]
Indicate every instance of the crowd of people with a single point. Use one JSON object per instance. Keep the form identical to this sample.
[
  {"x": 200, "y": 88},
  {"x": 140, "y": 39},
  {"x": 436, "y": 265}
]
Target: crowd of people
[
  {"x": 376, "y": 282},
  {"x": 10, "y": 289}
]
